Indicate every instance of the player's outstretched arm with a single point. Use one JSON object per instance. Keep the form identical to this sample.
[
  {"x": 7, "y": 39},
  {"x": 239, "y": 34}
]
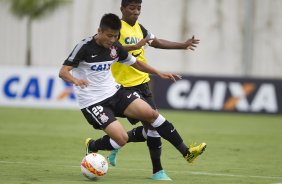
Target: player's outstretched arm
[
  {"x": 139, "y": 65},
  {"x": 140, "y": 44},
  {"x": 190, "y": 44},
  {"x": 66, "y": 76}
]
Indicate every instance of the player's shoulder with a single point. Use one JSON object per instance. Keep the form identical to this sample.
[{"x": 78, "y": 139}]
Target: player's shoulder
[
  {"x": 141, "y": 25},
  {"x": 120, "y": 49},
  {"x": 143, "y": 29},
  {"x": 85, "y": 41}
]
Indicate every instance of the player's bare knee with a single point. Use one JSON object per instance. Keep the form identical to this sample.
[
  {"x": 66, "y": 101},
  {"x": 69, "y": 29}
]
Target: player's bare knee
[
  {"x": 123, "y": 142},
  {"x": 152, "y": 115},
  {"x": 123, "y": 139}
]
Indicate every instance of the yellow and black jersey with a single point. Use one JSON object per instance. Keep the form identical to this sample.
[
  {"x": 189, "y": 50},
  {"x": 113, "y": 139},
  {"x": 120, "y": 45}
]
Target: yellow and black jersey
[{"x": 127, "y": 75}]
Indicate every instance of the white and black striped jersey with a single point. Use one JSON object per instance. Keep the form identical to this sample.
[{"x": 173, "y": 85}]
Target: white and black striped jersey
[{"x": 92, "y": 62}]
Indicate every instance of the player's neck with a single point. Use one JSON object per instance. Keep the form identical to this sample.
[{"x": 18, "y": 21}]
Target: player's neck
[
  {"x": 96, "y": 39},
  {"x": 131, "y": 23}
]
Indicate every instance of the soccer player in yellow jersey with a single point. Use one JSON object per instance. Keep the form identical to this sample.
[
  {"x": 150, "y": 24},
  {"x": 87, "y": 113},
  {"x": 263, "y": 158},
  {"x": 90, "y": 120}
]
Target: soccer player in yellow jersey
[{"x": 133, "y": 36}]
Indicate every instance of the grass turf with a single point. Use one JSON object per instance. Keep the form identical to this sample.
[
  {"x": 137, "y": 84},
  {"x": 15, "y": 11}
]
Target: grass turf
[{"x": 46, "y": 146}]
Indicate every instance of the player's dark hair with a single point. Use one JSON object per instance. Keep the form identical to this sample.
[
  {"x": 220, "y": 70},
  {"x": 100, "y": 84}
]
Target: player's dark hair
[
  {"x": 125, "y": 3},
  {"x": 110, "y": 21}
]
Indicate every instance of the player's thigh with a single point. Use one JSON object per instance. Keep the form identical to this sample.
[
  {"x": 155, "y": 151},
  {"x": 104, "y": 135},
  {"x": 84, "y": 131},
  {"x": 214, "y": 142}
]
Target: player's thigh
[
  {"x": 139, "y": 109},
  {"x": 117, "y": 132},
  {"x": 150, "y": 101}
]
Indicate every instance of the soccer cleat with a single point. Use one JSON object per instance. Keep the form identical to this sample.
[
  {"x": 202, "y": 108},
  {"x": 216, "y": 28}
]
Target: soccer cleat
[
  {"x": 195, "y": 151},
  {"x": 112, "y": 157},
  {"x": 87, "y": 143},
  {"x": 161, "y": 175}
]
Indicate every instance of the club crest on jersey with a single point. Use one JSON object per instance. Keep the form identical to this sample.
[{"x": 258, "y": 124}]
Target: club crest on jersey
[
  {"x": 113, "y": 53},
  {"x": 104, "y": 118}
]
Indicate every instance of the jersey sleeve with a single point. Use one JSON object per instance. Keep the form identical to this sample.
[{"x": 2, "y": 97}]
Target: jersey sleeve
[
  {"x": 124, "y": 57},
  {"x": 75, "y": 56},
  {"x": 130, "y": 60},
  {"x": 146, "y": 33}
]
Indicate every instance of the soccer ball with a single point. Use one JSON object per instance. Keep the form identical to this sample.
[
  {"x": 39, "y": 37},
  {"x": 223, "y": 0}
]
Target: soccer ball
[{"x": 94, "y": 165}]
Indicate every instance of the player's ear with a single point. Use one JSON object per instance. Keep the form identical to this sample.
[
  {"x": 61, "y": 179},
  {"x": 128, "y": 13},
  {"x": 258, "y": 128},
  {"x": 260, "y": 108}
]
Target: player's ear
[
  {"x": 99, "y": 30},
  {"x": 121, "y": 9}
]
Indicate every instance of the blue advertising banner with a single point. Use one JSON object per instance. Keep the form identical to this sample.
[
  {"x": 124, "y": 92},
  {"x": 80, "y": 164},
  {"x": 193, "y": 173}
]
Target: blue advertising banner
[
  {"x": 247, "y": 95},
  {"x": 35, "y": 87},
  {"x": 41, "y": 87}
]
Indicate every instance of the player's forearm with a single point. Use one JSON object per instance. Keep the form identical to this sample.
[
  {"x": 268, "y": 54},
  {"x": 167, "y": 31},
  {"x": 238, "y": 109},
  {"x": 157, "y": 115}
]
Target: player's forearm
[
  {"x": 139, "y": 65},
  {"x": 137, "y": 46},
  {"x": 130, "y": 48},
  {"x": 165, "y": 44},
  {"x": 66, "y": 76}
]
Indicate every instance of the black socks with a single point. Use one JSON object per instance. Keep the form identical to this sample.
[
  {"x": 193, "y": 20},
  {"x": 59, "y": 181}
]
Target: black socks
[
  {"x": 101, "y": 144},
  {"x": 136, "y": 135}
]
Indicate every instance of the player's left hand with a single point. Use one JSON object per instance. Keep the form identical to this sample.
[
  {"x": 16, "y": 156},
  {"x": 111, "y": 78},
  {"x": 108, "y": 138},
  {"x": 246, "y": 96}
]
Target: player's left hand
[
  {"x": 142, "y": 43},
  {"x": 191, "y": 43},
  {"x": 171, "y": 76}
]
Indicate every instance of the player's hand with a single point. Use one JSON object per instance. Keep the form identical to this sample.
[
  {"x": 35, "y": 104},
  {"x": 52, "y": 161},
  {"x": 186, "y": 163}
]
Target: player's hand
[
  {"x": 143, "y": 42},
  {"x": 82, "y": 83},
  {"x": 171, "y": 76},
  {"x": 191, "y": 43}
]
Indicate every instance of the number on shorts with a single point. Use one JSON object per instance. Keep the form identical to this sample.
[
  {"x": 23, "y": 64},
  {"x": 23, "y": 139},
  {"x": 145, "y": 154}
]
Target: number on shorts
[
  {"x": 97, "y": 110},
  {"x": 136, "y": 94}
]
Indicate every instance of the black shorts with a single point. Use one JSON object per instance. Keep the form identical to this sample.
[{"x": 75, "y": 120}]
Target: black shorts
[
  {"x": 101, "y": 114},
  {"x": 146, "y": 94}
]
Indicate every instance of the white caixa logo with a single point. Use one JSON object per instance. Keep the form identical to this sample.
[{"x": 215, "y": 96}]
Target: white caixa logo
[{"x": 222, "y": 95}]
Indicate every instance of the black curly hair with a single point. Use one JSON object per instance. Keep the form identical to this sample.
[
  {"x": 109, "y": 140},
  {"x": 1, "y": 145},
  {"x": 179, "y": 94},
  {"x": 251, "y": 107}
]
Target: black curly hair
[
  {"x": 110, "y": 21},
  {"x": 125, "y": 3}
]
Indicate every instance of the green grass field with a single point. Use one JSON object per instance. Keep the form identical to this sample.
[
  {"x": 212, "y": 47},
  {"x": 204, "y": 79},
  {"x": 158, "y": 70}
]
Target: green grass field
[{"x": 46, "y": 146}]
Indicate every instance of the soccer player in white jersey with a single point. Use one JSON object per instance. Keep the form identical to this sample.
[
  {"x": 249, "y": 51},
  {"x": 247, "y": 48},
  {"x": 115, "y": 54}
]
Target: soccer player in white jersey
[{"x": 102, "y": 99}]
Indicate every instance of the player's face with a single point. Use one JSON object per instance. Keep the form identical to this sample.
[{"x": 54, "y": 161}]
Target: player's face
[
  {"x": 131, "y": 12},
  {"x": 107, "y": 37}
]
